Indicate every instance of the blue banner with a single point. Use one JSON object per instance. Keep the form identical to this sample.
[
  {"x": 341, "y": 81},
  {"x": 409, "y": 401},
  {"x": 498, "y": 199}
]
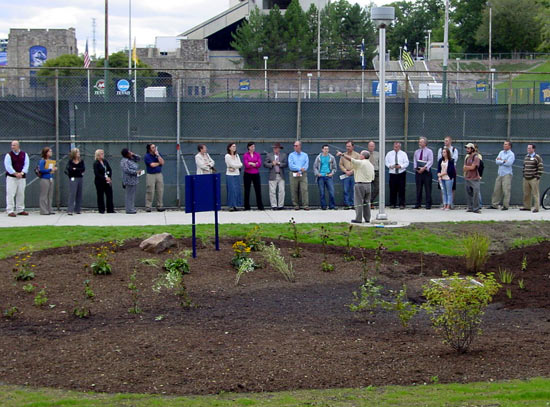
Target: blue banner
[
  {"x": 545, "y": 92},
  {"x": 391, "y": 88},
  {"x": 481, "y": 86},
  {"x": 244, "y": 84},
  {"x": 37, "y": 56},
  {"x": 3, "y": 58}
]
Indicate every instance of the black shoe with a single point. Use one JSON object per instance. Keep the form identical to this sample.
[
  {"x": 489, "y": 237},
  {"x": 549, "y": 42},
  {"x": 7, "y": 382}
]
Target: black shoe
[
  {"x": 324, "y": 209},
  {"x": 281, "y": 208},
  {"x": 504, "y": 208},
  {"x": 333, "y": 208},
  {"x": 492, "y": 207},
  {"x": 524, "y": 209},
  {"x": 355, "y": 221},
  {"x": 147, "y": 209},
  {"x": 416, "y": 207},
  {"x": 160, "y": 209},
  {"x": 469, "y": 210},
  {"x": 402, "y": 207},
  {"x": 478, "y": 211},
  {"x": 428, "y": 207}
]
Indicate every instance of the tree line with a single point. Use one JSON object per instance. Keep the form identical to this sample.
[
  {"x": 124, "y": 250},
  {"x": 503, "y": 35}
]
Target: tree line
[{"x": 290, "y": 39}]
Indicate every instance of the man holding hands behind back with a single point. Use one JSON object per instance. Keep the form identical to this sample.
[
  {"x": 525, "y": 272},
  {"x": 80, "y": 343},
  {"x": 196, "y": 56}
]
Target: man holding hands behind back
[{"x": 154, "y": 181}]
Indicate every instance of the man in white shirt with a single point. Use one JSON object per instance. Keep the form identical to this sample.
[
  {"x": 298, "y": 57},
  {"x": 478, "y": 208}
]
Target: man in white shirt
[
  {"x": 16, "y": 163},
  {"x": 397, "y": 163}
]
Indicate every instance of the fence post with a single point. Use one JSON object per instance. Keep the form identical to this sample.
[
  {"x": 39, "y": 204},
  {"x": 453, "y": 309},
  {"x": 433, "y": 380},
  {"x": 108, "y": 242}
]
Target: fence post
[
  {"x": 509, "y": 128},
  {"x": 57, "y": 190},
  {"x": 406, "y": 114},
  {"x": 299, "y": 108},
  {"x": 178, "y": 147}
]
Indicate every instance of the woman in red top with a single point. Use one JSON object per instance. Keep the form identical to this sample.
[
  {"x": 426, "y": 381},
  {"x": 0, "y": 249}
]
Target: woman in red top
[{"x": 252, "y": 164}]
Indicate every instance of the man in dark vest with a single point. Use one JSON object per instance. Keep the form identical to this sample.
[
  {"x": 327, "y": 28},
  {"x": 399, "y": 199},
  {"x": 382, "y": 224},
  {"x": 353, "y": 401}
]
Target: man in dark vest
[{"x": 16, "y": 163}]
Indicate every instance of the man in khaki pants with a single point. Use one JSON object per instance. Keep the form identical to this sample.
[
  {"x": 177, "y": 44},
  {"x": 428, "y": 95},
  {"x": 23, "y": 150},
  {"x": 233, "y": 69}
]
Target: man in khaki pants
[
  {"x": 154, "y": 182},
  {"x": 532, "y": 171}
]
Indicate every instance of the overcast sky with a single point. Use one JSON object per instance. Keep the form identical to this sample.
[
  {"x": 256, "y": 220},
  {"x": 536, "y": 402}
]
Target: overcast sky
[{"x": 149, "y": 18}]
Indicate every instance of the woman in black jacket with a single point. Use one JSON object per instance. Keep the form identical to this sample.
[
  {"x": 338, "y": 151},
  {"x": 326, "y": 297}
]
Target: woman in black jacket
[
  {"x": 103, "y": 182},
  {"x": 446, "y": 173},
  {"x": 74, "y": 170}
]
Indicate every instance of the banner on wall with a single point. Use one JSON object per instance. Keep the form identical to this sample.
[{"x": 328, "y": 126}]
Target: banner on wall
[
  {"x": 37, "y": 56},
  {"x": 545, "y": 92}
]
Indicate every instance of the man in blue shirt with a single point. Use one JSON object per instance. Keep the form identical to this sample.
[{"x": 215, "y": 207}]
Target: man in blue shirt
[
  {"x": 298, "y": 163},
  {"x": 503, "y": 183},
  {"x": 154, "y": 182}
]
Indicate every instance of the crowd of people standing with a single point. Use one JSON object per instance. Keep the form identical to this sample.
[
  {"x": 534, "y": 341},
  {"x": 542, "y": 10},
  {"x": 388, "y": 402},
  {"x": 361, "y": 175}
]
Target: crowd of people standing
[{"x": 357, "y": 171}]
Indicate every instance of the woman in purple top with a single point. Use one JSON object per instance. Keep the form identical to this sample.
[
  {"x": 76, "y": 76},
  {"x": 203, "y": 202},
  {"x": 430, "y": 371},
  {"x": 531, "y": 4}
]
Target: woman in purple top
[{"x": 252, "y": 164}]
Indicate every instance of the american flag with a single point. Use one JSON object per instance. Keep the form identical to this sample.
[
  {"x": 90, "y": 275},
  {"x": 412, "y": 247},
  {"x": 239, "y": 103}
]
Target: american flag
[{"x": 86, "y": 57}]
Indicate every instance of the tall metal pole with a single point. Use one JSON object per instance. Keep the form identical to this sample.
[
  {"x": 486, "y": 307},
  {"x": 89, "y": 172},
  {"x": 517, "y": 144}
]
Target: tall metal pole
[
  {"x": 318, "y": 49},
  {"x": 106, "y": 60},
  {"x": 416, "y": 51},
  {"x": 445, "y": 50},
  {"x": 57, "y": 190},
  {"x": 490, "y": 34},
  {"x": 382, "y": 123},
  {"x": 265, "y": 73},
  {"x": 429, "y": 44},
  {"x": 299, "y": 108},
  {"x": 178, "y": 137},
  {"x": 130, "y": 38}
]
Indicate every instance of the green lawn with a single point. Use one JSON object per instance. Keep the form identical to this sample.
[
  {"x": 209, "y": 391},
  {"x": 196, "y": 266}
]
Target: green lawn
[
  {"x": 534, "y": 392},
  {"x": 413, "y": 239}
]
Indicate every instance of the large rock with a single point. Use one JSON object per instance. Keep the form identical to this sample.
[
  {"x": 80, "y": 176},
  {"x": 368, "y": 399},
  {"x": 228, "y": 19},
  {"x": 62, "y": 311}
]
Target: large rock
[{"x": 158, "y": 243}]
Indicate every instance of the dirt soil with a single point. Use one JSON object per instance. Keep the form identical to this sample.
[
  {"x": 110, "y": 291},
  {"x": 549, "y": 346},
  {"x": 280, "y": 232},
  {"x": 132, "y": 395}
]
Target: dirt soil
[{"x": 265, "y": 334}]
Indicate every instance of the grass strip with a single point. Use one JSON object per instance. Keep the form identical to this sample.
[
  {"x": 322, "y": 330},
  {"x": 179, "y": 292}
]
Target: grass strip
[
  {"x": 411, "y": 238},
  {"x": 516, "y": 393}
]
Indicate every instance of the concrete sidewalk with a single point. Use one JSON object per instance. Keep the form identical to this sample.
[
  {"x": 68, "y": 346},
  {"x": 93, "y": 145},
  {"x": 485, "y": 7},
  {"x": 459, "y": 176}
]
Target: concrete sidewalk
[{"x": 175, "y": 217}]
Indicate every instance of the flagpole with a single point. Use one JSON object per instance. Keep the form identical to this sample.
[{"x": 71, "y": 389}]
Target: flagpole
[
  {"x": 363, "y": 70},
  {"x": 135, "y": 81}
]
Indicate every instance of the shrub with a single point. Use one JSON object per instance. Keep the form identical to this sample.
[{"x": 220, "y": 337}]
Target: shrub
[
  {"x": 457, "y": 307},
  {"x": 23, "y": 267},
  {"x": 254, "y": 240},
  {"x": 246, "y": 266},
  {"x": 476, "y": 248},
  {"x": 100, "y": 265},
  {"x": 275, "y": 259},
  {"x": 404, "y": 309},
  {"x": 369, "y": 297},
  {"x": 173, "y": 280}
]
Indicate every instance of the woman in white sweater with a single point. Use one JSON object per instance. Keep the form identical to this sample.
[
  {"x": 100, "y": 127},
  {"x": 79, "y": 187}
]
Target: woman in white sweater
[
  {"x": 205, "y": 164},
  {"x": 233, "y": 179}
]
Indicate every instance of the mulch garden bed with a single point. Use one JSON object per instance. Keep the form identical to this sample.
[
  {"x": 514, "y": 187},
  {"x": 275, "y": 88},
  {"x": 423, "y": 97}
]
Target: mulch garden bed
[{"x": 265, "y": 334}]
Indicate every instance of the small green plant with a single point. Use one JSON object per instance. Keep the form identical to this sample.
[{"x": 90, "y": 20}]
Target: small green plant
[
  {"x": 101, "y": 257},
  {"x": 88, "y": 292},
  {"x": 521, "y": 284},
  {"x": 134, "y": 309},
  {"x": 456, "y": 308},
  {"x": 509, "y": 293},
  {"x": 241, "y": 252},
  {"x": 405, "y": 309},
  {"x": 178, "y": 263},
  {"x": 172, "y": 280},
  {"x": 82, "y": 310},
  {"x": 378, "y": 257},
  {"x": 524, "y": 263},
  {"x": 150, "y": 262},
  {"x": 253, "y": 239},
  {"x": 41, "y": 298},
  {"x": 29, "y": 288},
  {"x": 505, "y": 276},
  {"x": 476, "y": 251},
  {"x": 348, "y": 256},
  {"x": 434, "y": 379},
  {"x": 275, "y": 259},
  {"x": 297, "y": 250},
  {"x": 325, "y": 238},
  {"x": 23, "y": 267},
  {"x": 369, "y": 297},
  {"x": 246, "y": 266},
  {"x": 10, "y": 312}
]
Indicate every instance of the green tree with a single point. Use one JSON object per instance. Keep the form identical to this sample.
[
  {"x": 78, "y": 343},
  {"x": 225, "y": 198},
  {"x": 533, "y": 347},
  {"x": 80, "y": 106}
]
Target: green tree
[
  {"x": 516, "y": 26},
  {"x": 272, "y": 42},
  {"x": 294, "y": 36},
  {"x": 64, "y": 61},
  {"x": 248, "y": 39},
  {"x": 120, "y": 60},
  {"x": 467, "y": 15},
  {"x": 544, "y": 20}
]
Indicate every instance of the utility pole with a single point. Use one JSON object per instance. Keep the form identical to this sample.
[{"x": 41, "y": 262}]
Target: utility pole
[
  {"x": 106, "y": 60},
  {"x": 445, "y": 51}
]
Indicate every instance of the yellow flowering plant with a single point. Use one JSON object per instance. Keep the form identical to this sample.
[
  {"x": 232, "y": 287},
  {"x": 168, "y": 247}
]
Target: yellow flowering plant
[{"x": 23, "y": 266}]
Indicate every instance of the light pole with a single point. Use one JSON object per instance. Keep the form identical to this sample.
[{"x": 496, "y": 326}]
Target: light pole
[
  {"x": 318, "y": 49},
  {"x": 265, "y": 73},
  {"x": 429, "y": 44},
  {"x": 309, "y": 75},
  {"x": 445, "y": 50},
  {"x": 400, "y": 52},
  {"x": 457, "y": 70},
  {"x": 416, "y": 51},
  {"x": 425, "y": 47},
  {"x": 382, "y": 16},
  {"x": 130, "y": 38},
  {"x": 490, "y": 34}
]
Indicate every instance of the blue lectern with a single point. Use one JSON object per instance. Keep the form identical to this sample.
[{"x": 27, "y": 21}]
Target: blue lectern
[{"x": 202, "y": 194}]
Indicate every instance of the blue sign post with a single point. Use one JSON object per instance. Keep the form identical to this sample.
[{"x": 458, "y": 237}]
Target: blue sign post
[
  {"x": 203, "y": 194},
  {"x": 545, "y": 92}
]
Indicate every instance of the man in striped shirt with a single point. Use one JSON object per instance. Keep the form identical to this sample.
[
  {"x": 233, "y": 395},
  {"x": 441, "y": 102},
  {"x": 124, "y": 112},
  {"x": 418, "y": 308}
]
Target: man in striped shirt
[{"x": 532, "y": 171}]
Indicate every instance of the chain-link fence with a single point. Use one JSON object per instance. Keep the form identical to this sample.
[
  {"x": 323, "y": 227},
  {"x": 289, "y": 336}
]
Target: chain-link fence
[{"x": 218, "y": 107}]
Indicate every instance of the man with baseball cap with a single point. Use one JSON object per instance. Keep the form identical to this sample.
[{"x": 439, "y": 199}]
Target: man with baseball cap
[
  {"x": 472, "y": 179},
  {"x": 276, "y": 162}
]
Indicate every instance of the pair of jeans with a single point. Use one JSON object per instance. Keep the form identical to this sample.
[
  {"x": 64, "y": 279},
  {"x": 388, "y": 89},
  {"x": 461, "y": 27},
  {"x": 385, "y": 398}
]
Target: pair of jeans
[
  {"x": 447, "y": 189},
  {"x": 328, "y": 184},
  {"x": 234, "y": 195},
  {"x": 349, "y": 184},
  {"x": 75, "y": 195}
]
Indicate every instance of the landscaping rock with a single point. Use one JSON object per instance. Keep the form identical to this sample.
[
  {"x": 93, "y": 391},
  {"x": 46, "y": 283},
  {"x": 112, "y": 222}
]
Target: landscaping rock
[{"x": 158, "y": 243}]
